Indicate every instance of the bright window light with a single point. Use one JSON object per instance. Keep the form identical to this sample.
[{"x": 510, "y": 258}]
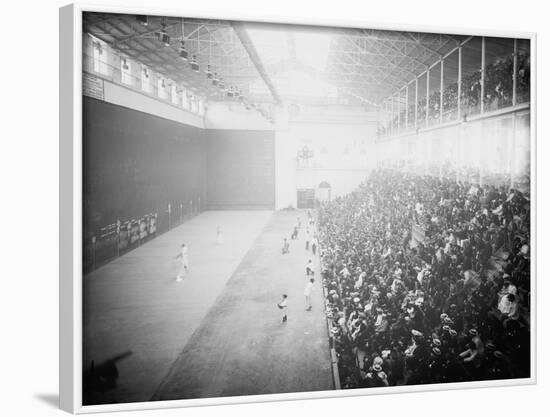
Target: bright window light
[
  {"x": 145, "y": 79},
  {"x": 174, "y": 93},
  {"x": 125, "y": 71},
  {"x": 312, "y": 49},
  {"x": 100, "y": 56}
]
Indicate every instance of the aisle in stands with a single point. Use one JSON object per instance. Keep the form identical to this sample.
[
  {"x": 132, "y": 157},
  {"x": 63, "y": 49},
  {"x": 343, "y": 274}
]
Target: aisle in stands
[{"x": 428, "y": 281}]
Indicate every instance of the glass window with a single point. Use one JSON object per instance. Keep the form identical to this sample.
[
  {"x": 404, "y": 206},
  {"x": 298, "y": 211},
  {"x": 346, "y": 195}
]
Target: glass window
[
  {"x": 100, "y": 57},
  {"x": 161, "y": 88},
  {"x": 411, "y": 88},
  {"x": 450, "y": 87},
  {"x": 523, "y": 73},
  {"x": 174, "y": 93},
  {"x": 499, "y": 70},
  {"x": 434, "y": 97},
  {"x": 185, "y": 99},
  {"x": 145, "y": 79},
  {"x": 402, "y": 108},
  {"x": 470, "y": 99},
  {"x": 125, "y": 71},
  {"x": 421, "y": 104}
]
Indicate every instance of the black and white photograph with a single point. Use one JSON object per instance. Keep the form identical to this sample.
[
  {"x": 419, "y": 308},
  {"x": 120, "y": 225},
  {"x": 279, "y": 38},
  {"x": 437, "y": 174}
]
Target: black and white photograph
[{"x": 280, "y": 208}]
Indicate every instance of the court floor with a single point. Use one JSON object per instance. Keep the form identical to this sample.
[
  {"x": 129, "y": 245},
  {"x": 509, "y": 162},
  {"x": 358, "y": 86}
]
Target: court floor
[{"x": 218, "y": 332}]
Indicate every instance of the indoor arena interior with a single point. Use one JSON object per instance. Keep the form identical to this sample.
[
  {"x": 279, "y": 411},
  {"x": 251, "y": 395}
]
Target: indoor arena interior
[{"x": 273, "y": 209}]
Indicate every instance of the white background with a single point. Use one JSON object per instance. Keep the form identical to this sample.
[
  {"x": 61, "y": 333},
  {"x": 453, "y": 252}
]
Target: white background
[{"x": 29, "y": 208}]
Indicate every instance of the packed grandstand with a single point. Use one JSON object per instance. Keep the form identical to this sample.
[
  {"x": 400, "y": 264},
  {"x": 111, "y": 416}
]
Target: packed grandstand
[{"x": 427, "y": 281}]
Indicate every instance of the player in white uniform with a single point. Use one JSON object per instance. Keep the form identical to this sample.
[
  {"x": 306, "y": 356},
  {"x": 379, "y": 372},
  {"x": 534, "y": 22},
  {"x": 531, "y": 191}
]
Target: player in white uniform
[
  {"x": 283, "y": 306},
  {"x": 184, "y": 255},
  {"x": 219, "y": 236},
  {"x": 309, "y": 268},
  {"x": 307, "y": 293}
]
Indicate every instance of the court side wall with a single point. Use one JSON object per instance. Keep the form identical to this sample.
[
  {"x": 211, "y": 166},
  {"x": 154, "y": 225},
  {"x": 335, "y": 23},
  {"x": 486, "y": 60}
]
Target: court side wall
[{"x": 136, "y": 163}]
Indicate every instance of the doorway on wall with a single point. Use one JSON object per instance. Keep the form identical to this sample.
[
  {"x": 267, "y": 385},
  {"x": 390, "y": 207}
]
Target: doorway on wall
[
  {"x": 323, "y": 192},
  {"x": 305, "y": 197}
]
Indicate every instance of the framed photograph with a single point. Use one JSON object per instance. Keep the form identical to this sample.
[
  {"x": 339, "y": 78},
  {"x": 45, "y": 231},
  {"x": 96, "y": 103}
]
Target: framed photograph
[{"x": 258, "y": 210}]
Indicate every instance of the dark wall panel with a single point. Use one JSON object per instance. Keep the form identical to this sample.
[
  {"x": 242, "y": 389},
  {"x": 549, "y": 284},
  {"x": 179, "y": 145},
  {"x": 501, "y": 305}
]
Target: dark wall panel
[
  {"x": 241, "y": 169},
  {"x": 135, "y": 163}
]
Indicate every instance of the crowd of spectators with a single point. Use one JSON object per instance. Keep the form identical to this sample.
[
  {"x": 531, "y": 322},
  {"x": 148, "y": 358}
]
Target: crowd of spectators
[
  {"x": 427, "y": 281},
  {"x": 498, "y": 93}
]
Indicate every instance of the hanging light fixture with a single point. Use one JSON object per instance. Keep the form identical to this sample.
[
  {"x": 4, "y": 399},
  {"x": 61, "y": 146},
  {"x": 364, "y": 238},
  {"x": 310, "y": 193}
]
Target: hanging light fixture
[
  {"x": 163, "y": 36},
  {"x": 142, "y": 19},
  {"x": 209, "y": 74},
  {"x": 194, "y": 63},
  {"x": 183, "y": 52}
]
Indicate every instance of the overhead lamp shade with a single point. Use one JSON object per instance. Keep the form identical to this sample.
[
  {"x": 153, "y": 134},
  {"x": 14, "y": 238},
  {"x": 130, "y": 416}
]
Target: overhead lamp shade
[
  {"x": 194, "y": 64},
  {"x": 164, "y": 38},
  {"x": 183, "y": 52},
  {"x": 142, "y": 19}
]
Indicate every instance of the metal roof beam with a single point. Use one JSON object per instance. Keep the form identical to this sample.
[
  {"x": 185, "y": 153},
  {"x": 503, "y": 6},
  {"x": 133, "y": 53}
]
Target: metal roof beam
[
  {"x": 386, "y": 81},
  {"x": 380, "y": 55},
  {"x": 140, "y": 35},
  {"x": 244, "y": 37}
]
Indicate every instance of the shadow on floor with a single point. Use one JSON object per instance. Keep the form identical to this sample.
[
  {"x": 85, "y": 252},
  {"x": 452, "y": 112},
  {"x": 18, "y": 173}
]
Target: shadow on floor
[
  {"x": 102, "y": 377},
  {"x": 49, "y": 399}
]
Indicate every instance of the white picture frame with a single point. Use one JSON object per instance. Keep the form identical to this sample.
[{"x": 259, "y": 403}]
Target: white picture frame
[{"x": 70, "y": 294}]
